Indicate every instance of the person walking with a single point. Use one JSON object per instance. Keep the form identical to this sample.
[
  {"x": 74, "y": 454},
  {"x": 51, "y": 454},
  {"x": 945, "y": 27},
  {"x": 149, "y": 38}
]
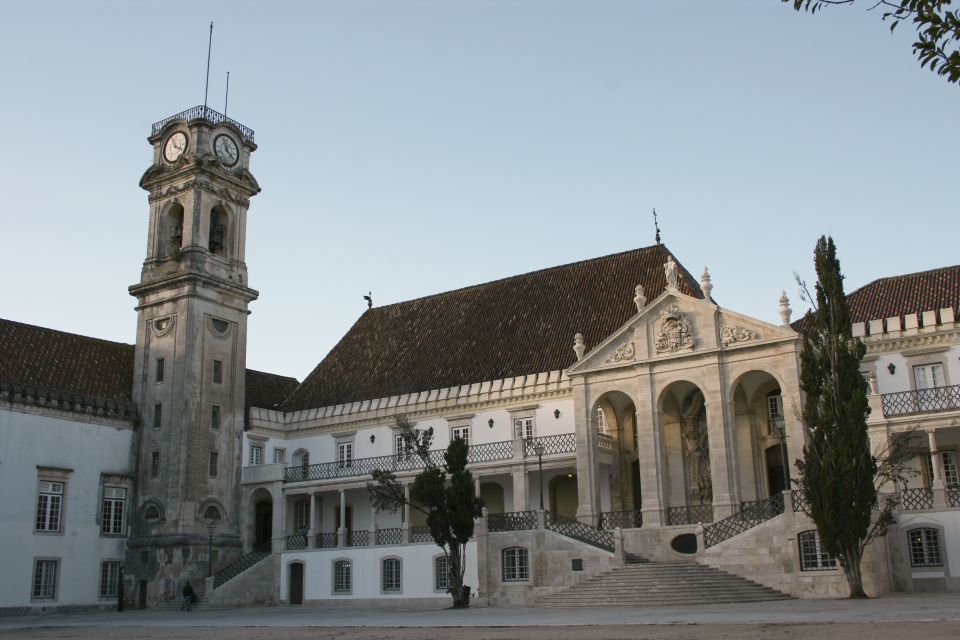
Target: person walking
[{"x": 188, "y": 596}]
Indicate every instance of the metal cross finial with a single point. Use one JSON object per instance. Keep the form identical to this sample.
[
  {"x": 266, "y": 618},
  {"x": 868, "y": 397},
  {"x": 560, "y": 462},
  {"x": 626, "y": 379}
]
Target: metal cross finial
[
  {"x": 656, "y": 226},
  {"x": 369, "y": 299}
]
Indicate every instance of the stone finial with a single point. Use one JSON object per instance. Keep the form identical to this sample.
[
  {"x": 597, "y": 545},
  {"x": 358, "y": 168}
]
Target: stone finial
[
  {"x": 705, "y": 284},
  {"x": 578, "y": 346},
  {"x": 670, "y": 270},
  {"x": 639, "y": 298},
  {"x": 785, "y": 309},
  {"x": 874, "y": 387}
]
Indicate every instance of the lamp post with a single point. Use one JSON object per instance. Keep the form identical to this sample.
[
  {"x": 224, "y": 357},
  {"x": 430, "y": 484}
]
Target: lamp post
[
  {"x": 211, "y": 527},
  {"x": 781, "y": 429},
  {"x": 538, "y": 449}
]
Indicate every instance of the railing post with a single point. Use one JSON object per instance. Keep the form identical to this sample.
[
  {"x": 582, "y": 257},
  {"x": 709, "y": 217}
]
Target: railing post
[
  {"x": 618, "y": 553},
  {"x": 699, "y": 533},
  {"x": 541, "y": 519},
  {"x": 405, "y": 532}
]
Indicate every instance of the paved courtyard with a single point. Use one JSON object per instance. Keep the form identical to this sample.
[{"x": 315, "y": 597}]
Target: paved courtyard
[{"x": 931, "y": 616}]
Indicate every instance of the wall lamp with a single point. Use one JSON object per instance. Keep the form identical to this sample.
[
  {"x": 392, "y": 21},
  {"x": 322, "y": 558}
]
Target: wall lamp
[
  {"x": 372, "y": 437},
  {"x": 891, "y": 368},
  {"x": 490, "y": 423},
  {"x": 556, "y": 413}
]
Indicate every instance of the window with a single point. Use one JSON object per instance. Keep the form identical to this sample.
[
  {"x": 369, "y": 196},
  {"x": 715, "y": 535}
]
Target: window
[
  {"x": 215, "y": 417},
  {"x": 774, "y": 413},
  {"x": 342, "y": 580},
  {"x": 157, "y": 416},
  {"x": 218, "y": 372},
  {"x": 345, "y": 454},
  {"x": 390, "y": 575},
  {"x": 279, "y": 455},
  {"x": 950, "y": 474},
  {"x": 211, "y": 514},
  {"x": 927, "y": 376},
  {"x": 111, "y": 515},
  {"x": 441, "y": 573},
  {"x": 256, "y": 454},
  {"x": 151, "y": 513},
  {"x": 812, "y": 556},
  {"x": 516, "y": 565},
  {"x": 301, "y": 517},
  {"x": 45, "y": 579},
  {"x": 49, "y": 506},
  {"x": 109, "y": 578},
  {"x": 155, "y": 464},
  {"x": 159, "y": 369},
  {"x": 925, "y": 548},
  {"x": 212, "y": 464},
  {"x": 401, "y": 448},
  {"x": 523, "y": 428},
  {"x": 463, "y": 433},
  {"x": 601, "y": 421}
]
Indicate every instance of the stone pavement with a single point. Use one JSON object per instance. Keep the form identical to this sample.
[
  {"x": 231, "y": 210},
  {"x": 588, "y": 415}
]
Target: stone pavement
[{"x": 896, "y": 607}]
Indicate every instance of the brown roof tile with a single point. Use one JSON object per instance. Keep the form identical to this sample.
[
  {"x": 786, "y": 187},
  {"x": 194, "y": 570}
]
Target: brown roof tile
[
  {"x": 71, "y": 363},
  {"x": 902, "y": 295},
  {"x": 67, "y": 362},
  {"x": 519, "y": 325}
]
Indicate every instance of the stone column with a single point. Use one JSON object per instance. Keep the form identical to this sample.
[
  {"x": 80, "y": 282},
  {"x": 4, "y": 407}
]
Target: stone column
[
  {"x": 312, "y": 525},
  {"x": 405, "y": 525},
  {"x": 588, "y": 485},
  {"x": 519, "y": 476},
  {"x": 937, "y": 483},
  {"x": 342, "y": 531},
  {"x": 650, "y": 453},
  {"x": 277, "y": 524},
  {"x": 721, "y": 463},
  {"x": 476, "y": 486},
  {"x": 373, "y": 525}
]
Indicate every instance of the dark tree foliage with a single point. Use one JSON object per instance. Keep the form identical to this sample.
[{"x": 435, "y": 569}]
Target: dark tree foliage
[
  {"x": 444, "y": 493},
  {"x": 937, "y": 25},
  {"x": 839, "y": 474}
]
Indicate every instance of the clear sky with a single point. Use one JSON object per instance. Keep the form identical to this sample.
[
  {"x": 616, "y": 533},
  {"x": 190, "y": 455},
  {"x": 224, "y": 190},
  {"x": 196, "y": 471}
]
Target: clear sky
[{"x": 413, "y": 147}]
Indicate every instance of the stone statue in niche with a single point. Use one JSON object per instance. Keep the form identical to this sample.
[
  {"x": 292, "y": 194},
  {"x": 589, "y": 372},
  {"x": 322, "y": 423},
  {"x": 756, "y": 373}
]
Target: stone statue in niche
[
  {"x": 670, "y": 270},
  {"x": 696, "y": 452},
  {"x": 673, "y": 331}
]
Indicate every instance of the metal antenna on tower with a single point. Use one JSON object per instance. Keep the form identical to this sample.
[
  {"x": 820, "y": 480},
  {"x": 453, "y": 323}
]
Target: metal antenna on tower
[
  {"x": 206, "y": 87},
  {"x": 226, "y": 96},
  {"x": 656, "y": 226}
]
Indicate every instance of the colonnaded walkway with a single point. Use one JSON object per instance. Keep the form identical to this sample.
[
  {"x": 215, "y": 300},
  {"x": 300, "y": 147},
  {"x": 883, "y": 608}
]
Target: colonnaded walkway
[{"x": 930, "y": 616}]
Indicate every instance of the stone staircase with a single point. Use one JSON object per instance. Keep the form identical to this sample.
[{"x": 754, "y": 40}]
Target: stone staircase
[{"x": 641, "y": 583}]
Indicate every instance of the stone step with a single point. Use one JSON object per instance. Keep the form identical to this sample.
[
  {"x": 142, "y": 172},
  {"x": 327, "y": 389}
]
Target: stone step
[{"x": 661, "y": 584}]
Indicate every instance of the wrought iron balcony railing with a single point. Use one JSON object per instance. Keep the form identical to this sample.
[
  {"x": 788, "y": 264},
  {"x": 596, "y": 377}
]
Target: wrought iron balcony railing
[
  {"x": 327, "y": 540},
  {"x": 933, "y": 400},
  {"x": 577, "y": 530},
  {"x": 420, "y": 534},
  {"x": 916, "y": 499},
  {"x": 622, "y": 519},
  {"x": 393, "y": 535},
  {"x": 512, "y": 521},
  {"x": 201, "y": 112},
  {"x": 750, "y": 515},
  {"x": 690, "y": 514},
  {"x": 552, "y": 445}
]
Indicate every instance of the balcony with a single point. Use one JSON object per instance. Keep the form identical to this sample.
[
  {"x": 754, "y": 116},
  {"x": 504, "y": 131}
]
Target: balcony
[
  {"x": 204, "y": 113},
  {"x": 563, "y": 443},
  {"x": 921, "y": 401}
]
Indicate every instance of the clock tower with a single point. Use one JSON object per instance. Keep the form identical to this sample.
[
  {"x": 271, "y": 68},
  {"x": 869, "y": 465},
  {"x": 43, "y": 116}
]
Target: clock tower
[{"x": 190, "y": 364}]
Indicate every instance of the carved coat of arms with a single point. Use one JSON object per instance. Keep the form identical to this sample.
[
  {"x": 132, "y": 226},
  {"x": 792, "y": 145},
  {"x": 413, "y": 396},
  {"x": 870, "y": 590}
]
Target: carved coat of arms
[
  {"x": 673, "y": 331},
  {"x": 622, "y": 353}
]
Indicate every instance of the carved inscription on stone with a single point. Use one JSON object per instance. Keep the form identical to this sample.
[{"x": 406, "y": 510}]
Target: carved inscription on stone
[
  {"x": 622, "y": 353},
  {"x": 733, "y": 333},
  {"x": 673, "y": 331}
]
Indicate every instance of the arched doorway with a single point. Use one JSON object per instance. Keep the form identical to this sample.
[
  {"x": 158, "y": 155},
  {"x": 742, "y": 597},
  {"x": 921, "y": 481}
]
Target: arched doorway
[
  {"x": 563, "y": 495},
  {"x": 262, "y": 518},
  {"x": 492, "y": 495},
  {"x": 759, "y": 436},
  {"x": 688, "y": 485},
  {"x": 296, "y": 583},
  {"x": 614, "y": 417}
]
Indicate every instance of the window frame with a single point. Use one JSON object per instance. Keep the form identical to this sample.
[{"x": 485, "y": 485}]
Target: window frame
[
  {"x": 159, "y": 370},
  {"x": 515, "y": 564},
  {"x": 47, "y": 518},
  {"x": 337, "y": 587},
  {"x": 524, "y": 427},
  {"x": 255, "y": 454},
  {"x": 155, "y": 463},
  {"x": 461, "y": 431},
  {"x": 158, "y": 415},
  {"x": 213, "y": 464},
  {"x": 345, "y": 446},
  {"x": 38, "y": 582},
  {"x": 395, "y": 575},
  {"x": 301, "y": 515},
  {"x": 279, "y": 455},
  {"x": 112, "y": 525},
  {"x": 444, "y": 573},
  {"x": 216, "y": 374},
  {"x": 109, "y": 576},
  {"x": 930, "y": 547},
  {"x": 216, "y": 417},
  {"x": 812, "y": 555}
]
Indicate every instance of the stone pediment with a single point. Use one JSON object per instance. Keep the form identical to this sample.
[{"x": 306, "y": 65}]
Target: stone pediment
[{"x": 675, "y": 325}]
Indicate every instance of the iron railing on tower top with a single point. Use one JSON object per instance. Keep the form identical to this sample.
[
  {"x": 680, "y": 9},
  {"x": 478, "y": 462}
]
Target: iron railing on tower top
[{"x": 201, "y": 112}]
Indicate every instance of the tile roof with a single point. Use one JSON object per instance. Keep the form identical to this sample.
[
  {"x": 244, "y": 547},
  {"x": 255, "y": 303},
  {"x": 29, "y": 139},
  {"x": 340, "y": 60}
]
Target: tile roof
[
  {"x": 519, "y": 325},
  {"x": 902, "y": 295},
  {"x": 68, "y": 362},
  {"x": 71, "y": 363}
]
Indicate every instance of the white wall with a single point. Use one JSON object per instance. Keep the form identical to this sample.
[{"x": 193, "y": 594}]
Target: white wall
[
  {"x": 26, "y": 441},
  {"x": 416, "y": 571}
]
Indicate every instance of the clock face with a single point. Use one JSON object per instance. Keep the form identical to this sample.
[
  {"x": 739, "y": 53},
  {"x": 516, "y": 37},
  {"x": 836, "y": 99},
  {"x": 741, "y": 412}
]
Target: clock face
[
  {"x": 175, "y": 146},
  {"x": 226, "y": 150}
]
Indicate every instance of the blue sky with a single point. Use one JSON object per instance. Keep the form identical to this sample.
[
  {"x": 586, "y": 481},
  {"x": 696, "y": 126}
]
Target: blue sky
[{"x": 410, "y": 148}]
